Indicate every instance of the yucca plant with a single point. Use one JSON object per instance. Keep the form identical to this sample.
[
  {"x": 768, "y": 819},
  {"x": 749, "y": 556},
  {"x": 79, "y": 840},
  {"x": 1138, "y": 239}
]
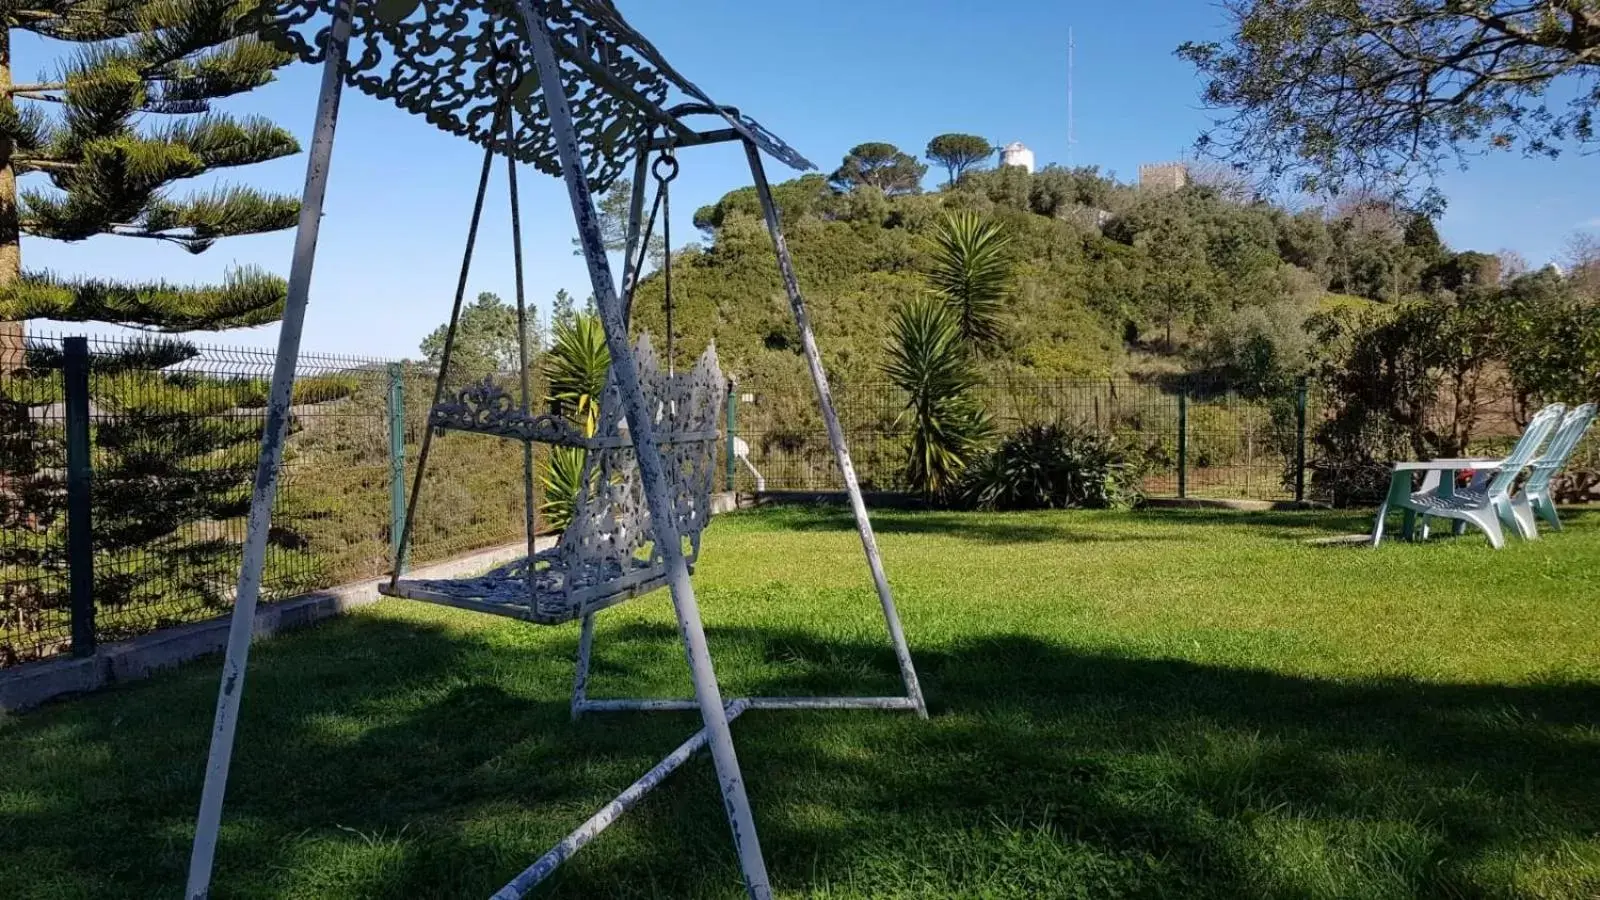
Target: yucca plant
[
  {"x": 929, "y": 360},
  {"x": 562, "y": 479},
  {"x": 578, "y": 364},
  {"x": 973, "y": 272}
]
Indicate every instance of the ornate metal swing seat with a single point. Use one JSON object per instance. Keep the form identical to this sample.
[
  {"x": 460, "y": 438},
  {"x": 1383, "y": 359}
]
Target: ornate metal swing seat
[
  {"x": 568, "y": 87},
  {"x": 607, "y": 554}
]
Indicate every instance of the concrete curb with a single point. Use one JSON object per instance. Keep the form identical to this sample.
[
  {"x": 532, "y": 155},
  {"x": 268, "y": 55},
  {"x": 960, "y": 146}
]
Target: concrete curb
[
  {"x": 1239, "y": 505},
  {"x": 883, "y": 500},
  {"x": 28, "y": 686}
]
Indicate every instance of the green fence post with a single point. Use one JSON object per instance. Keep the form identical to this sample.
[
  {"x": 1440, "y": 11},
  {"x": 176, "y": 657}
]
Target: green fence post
[
  {"x": 397, "y": 463},
  {"x": 1300, "y": 440},
  {"x": 1183, "y": 444},
  {"x": 733, "y": 426},
  {"x": 80, "y": 477}
]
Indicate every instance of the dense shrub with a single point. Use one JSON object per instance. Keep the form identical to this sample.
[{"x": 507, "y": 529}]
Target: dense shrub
[{"x": 1054, "y": 467}]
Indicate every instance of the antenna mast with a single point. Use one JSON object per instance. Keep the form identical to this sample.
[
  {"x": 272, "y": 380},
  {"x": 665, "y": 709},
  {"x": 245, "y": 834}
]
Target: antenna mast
[{"x": 1072, "y": 134}]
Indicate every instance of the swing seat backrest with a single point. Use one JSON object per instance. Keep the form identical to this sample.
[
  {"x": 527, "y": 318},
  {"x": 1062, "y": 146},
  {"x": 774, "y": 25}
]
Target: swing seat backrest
[{"x": 608, "y": 553}]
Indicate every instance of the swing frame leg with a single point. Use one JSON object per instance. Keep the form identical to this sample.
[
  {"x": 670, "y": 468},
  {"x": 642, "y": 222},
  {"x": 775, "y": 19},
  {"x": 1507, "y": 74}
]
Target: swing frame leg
[
  {"x": 580, "y": 680},
  {"x": 208, "y": 822},
  {"x": 667, "y": 540},
  {"x": 841, "y": 453}
]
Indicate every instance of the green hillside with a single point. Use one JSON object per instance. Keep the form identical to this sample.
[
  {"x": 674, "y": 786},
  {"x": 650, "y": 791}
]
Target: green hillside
[{"x": 1105, "y": 272}]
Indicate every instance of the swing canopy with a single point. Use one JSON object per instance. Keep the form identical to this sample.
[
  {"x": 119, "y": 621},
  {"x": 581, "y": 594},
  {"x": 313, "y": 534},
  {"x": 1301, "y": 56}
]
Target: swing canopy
[{"x": 450, "y": 61}]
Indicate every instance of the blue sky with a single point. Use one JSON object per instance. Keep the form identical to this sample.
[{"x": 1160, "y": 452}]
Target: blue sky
[{"x": 824, "y": 74}]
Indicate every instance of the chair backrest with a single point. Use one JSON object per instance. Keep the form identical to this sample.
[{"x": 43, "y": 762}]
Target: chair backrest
[
  {"x": 1561, "y": 447},
  {"x": 610, "y": 536},
  {"x": 1533, "y": 438}
]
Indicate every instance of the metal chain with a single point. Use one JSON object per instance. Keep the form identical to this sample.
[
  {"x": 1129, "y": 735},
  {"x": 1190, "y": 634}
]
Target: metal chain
[
  {"x": 665, "y": 170},
  {"x": 501, "y": 112}
]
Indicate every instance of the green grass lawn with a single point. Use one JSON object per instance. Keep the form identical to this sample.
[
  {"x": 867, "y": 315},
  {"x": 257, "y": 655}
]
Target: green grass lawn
[{"x": 1177, "y": 704}]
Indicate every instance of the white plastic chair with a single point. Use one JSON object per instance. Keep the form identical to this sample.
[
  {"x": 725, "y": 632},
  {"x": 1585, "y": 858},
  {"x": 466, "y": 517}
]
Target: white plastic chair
[
  {"x": 1534, "y": 502},
  {"x": 1486, "y": 507}
]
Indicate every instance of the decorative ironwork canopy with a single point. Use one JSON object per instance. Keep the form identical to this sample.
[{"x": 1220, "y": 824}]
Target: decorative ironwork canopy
[{"x": 453, "y": 61}]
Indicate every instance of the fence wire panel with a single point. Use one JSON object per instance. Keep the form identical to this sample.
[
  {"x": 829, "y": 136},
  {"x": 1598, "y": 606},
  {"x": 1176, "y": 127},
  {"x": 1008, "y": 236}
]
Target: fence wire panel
[
  {"x": 1237, "y": 447},
  {"x": 473, "y": 494},
  {"x": 35, "y": 620},
  {"x": 175, "y": 428},
  {"x": 174, "y": 432}
]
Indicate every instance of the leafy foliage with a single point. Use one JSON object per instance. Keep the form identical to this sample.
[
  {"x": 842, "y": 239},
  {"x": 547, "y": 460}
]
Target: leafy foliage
[
  {"x": 123, "y": 120},
  {"x": 1335, "y": 92},
  {"x": 487, "y": 339},
  {"x": 1054, "y": 467},
  {"x": 246, "y": 297},
  {"x": 174, "y": 452},
  {"x": 578, "y": 365},
  {"x": 1409, "y": 383},
  {"x": 613, "y": 208},
  {"x": 929, "y": 361},
  {"x": 1550, "y": 337},
  {"x": 561, "y": 478},
  {"x": 973, "y": 272}
]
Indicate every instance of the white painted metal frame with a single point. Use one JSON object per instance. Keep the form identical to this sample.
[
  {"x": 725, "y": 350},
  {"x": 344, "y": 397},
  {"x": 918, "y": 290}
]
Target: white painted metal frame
[
  {"x": 273, "y": 435},
  {"x": 716, "y": 712}
]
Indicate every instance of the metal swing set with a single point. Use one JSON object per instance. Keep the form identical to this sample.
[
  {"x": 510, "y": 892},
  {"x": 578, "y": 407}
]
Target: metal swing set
[{"x": 481, "y": 69}]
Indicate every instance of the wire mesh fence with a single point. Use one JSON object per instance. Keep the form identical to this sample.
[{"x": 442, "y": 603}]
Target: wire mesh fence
[
  {"x": 34, "y": 620},
  {"x": 174, "y": 431},
  {"x": 174, "y": 428},
  {"x": 1199, "y": 440}
]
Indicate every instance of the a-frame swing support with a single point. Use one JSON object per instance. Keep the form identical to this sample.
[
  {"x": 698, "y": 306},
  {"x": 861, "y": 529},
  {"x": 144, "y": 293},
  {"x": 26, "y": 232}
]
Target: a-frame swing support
[{"x": 549, "y": 52}]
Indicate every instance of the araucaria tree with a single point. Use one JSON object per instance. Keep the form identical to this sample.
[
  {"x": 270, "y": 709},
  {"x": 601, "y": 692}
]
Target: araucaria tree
[
  {"x": 1330, "y": 92},
  {"x": 123, "y": 118},
  {"x": 958, "y": 152}
]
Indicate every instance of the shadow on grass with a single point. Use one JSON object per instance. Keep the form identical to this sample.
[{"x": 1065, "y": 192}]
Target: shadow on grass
[{"x": 383, "y": 759}]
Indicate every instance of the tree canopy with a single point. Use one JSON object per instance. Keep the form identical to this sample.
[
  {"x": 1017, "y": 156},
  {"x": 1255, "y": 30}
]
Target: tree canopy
[
  {"x": 958, "y": 152},
  {"x": 1330, "y": 93},
  {"x": 882, "y": 166},
  {"x": 486, "y": 338},
  {"x": 613, "y": 208}
]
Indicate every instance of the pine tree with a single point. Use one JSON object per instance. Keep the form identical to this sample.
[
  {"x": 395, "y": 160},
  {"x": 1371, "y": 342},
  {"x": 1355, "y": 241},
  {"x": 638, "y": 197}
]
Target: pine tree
[{"x": 111, "y": 133}]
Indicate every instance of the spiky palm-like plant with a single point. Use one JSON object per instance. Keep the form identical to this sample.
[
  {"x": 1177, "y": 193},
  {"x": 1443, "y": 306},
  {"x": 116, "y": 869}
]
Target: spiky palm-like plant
[
  {"x": 578, "y": 365},
  {"x": 973, "y": 272},
  {"x": 929, "y": 360}
]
